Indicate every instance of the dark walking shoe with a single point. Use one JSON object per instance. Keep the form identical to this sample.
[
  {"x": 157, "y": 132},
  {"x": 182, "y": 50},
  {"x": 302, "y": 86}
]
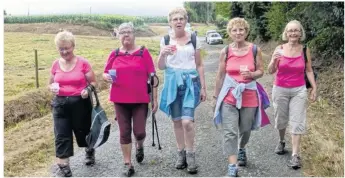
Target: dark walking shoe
[
  {"x": 232, "y": 170},
  {"x": 63, "y": 170},
  {"x": 295, "y": 162},
  {"x": 140, "y": 154},
  {"x": 242, "y": 157},
  {"x": 280, "y": 149},
  {"x": 191, "y": 165},
  {"x": 128, "y": 170},
  {"x": 181, "y": 162},
  {"x": 89, "y": 157}
]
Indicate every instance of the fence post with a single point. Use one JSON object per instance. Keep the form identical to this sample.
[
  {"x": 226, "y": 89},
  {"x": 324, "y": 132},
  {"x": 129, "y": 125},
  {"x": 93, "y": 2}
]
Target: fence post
[{"x": 36, "y": 68}]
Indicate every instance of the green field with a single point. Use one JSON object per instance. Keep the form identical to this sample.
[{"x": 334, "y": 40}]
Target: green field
[{"x": 19, "y": 63}]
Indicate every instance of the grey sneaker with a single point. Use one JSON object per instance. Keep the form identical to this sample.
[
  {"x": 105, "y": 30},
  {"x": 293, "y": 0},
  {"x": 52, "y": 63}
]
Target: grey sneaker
[
  {"x": 62, "y": 170},
  {"x": 89, "y": 157},
  {"x": 128, "y": 170},
  {"x": 295, "y": 162},
  {"x": 181, "y": 162},
  {"x": 280, "y": 149},
  {"x": 232, "y": 170},
  {"x": 242, "y": 157},
  {"x": 191, "y": 165}
]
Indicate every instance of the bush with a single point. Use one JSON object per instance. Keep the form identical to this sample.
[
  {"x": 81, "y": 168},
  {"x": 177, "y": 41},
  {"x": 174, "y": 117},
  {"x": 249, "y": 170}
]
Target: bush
[
  {"x": 221, "y": 22},
  {"x": 329, "y": 42},
  {"x": 223, "y": 33}
]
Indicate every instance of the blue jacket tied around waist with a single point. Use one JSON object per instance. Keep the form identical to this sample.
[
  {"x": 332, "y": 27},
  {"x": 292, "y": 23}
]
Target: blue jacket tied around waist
[
  {"x": 228, "y": 83},
  {"x": 173, "y": 78}
]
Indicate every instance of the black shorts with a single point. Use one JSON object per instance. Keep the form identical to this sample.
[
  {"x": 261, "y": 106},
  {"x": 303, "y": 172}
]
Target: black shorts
[{"x": 71, "y": 114}]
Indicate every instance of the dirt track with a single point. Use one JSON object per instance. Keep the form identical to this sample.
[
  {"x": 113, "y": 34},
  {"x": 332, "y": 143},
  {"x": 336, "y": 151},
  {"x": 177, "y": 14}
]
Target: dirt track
[{"x": 262, "y": 161}]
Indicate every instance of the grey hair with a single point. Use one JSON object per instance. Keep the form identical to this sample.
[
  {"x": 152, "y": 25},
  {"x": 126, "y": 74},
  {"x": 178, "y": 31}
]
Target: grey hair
[
  {"x": 126, "y": 25},
  {"x": 284, "y": 35},
  {"x": 65, "y": 36},
  {"x": 178, "y": 10}
]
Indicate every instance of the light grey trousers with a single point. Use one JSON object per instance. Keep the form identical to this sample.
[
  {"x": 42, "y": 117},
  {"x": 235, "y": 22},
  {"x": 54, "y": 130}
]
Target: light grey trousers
[{"x": 236, "y": 123}]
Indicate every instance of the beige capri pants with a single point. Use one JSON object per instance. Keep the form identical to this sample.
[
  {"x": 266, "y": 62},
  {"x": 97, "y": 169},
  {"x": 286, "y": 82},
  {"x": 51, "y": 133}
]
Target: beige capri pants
[{"x": 290, "y": 107}]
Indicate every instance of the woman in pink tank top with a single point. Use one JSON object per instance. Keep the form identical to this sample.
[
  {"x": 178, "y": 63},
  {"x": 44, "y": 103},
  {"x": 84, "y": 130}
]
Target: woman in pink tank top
[
  {"x": 70, "y": 78},
  {"x": 289, "y": 92},
  {"x": 240, "y": 66}
]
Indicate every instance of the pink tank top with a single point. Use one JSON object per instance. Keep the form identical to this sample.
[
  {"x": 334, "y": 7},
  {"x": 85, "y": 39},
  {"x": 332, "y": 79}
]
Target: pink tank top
[
  {"x": 249, "y": 97},
  {"x": 290, "y": 72},
  {"x": 73, "y": 82}
]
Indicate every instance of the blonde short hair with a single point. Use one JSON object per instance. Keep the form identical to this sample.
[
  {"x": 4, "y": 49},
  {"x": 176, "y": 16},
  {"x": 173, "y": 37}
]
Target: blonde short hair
[
  {"x": 178, "y": 10},
  {"x": 65, "y": 36},
  {"x": 284, "y": 35},
  {"x": 126, "y": 25},
  {"x": 237, "y": 21}
]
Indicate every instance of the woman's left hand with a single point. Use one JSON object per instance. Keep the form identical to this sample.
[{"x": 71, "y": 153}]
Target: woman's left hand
[
  {"x": 155, "y": 106},
  {"x": 84, "y": 94},
  {"x": 246, "y": 74},
  {"x": 313, "y": 95},
  {"x": 203, "y": 95}
]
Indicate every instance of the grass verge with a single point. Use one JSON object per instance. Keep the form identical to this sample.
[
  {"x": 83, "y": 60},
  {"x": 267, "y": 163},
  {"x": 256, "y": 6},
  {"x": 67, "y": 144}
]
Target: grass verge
[{"x": 323, "y": 145}]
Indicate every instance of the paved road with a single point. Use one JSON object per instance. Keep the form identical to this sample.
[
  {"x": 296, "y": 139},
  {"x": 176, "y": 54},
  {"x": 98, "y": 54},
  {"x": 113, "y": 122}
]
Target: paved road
[{"x": 262, "y": 162}]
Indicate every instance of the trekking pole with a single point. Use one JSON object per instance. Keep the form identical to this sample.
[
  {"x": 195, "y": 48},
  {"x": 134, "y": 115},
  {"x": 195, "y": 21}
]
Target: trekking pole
[
  {"x": 152, "y": 115},
  {"x": 159, "y": 144},
  {"x": 154, "y": 121}
]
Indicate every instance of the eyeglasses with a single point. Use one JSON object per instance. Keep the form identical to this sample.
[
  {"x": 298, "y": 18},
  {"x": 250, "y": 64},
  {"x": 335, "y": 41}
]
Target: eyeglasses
[
  {"x": 293, "y": 31},
  {"x": 240, "y": 30},
  {"x": 178, "y": 19},
  {"x": 126, "y": 32},
  {"x": 65, "y": 49}
]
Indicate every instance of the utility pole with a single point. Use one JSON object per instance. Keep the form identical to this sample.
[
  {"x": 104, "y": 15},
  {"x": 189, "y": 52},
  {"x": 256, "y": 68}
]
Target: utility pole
[
  {"x": 28, "y": 10},
  {"x": 90, "y": 10}
]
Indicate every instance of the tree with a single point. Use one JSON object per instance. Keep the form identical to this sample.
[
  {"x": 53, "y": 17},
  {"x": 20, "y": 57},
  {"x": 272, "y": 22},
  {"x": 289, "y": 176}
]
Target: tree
[
  {"x": 254, "y": 13},
  {"x": 236, "y": 10},
  {"x": 203, "y": 10},
  {"x": 223, "y": 9},
  {"x": 5, "y": 12}
]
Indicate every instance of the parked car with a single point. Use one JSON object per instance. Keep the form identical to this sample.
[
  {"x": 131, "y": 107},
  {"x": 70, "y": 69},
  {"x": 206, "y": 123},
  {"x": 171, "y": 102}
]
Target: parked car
[
  {"x": 208, "y": 32},
  {"x": 214, "y": 38}
]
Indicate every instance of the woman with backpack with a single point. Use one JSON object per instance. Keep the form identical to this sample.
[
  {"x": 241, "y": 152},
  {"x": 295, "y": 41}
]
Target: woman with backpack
[
  {"x": 184, "y": 85},
  {"x": 289, "y": 93},
  {"x": 236, "y": 96},
  {"x": 128, "y": 70}
]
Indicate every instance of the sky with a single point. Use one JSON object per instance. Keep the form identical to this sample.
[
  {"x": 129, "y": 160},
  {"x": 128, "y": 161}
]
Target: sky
[{"x": 123, "y": 7}]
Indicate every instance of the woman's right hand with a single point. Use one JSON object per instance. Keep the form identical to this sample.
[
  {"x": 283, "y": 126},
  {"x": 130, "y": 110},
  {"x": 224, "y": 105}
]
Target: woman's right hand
[
  {"x": 167, "y": 50},
  {"x": 54, "y": 90},
  {"x": 107, "y": 78},
  {"x": 276, "y": 55}
]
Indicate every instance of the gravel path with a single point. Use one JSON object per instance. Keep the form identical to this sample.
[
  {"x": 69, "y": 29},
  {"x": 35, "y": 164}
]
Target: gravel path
[{"x": 262, "y": 161}]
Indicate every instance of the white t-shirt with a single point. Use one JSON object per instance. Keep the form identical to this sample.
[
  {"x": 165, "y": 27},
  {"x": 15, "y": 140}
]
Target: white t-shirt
[{"x": 184, "y": 58}]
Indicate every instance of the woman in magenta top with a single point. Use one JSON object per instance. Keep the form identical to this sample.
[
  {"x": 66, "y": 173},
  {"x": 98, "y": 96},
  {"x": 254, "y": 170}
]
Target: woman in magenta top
[
  {"x": 289, "y": 92},
  {"x": 129, "y": 92},
  {"x": 240, "y": 66},
  {"x": 70, "y": 75}
]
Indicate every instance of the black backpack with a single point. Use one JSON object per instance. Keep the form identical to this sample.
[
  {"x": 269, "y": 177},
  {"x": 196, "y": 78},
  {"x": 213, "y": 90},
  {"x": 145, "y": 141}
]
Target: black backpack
[
  {"x": 192, "y": 40},
  {"x": 100, "y": 127},
  {"x": 254, "y": 53},
  {"x": 140, "y": 52},
  {"x": 307, "y": 83}
]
